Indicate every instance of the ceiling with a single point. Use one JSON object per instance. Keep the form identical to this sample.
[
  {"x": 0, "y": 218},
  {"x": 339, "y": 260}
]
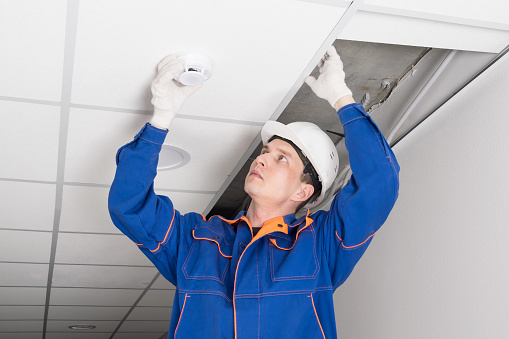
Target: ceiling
[{"x": 74, "y": 87}]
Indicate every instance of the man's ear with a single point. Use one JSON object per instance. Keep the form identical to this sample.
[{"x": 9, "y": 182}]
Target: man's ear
[{"x": 305, "y": 192}]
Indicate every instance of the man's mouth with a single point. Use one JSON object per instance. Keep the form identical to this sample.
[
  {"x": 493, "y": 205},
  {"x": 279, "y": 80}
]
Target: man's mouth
[{"x": 256, "y": 174}]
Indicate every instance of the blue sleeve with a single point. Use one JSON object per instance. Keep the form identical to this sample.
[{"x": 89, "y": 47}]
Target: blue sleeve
[
  {"x": 149, "y": 220},
  {"x": 363, "y": 205}
]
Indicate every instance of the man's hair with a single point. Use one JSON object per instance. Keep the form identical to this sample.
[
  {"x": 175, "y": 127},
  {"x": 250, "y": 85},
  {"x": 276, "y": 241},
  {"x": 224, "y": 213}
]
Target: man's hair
[{"x": 308, "y": 176}]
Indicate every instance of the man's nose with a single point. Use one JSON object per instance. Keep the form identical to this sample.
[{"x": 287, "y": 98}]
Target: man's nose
[{"x": 262, "y": 159}]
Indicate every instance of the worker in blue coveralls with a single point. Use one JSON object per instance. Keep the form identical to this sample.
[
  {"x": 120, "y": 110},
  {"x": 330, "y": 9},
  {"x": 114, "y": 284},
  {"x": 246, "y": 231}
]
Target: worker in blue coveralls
[{"x": 265, "y": 274}]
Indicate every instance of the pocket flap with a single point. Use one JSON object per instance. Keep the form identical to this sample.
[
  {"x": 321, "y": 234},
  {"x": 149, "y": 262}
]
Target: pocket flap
[{"x": 205, "y": 233}]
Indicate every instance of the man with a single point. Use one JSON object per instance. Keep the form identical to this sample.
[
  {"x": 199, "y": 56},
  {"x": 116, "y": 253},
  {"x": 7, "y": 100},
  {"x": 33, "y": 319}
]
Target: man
[{"x": 264, "y": 274}]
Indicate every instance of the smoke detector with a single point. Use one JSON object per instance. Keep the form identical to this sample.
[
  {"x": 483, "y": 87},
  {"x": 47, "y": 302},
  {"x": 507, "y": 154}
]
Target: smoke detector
[
  {"x": 197, "y": 69},
  {"x": 172, "y": 157}
]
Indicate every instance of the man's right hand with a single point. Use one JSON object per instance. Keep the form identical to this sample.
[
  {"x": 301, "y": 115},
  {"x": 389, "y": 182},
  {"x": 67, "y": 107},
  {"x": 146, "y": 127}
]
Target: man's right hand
[{"x": 168, "y": 95}]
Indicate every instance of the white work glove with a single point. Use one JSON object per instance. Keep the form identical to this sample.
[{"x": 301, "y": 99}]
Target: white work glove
[
  {"x": 330, "y": 85},
  {"x": 168, "y": 95}
]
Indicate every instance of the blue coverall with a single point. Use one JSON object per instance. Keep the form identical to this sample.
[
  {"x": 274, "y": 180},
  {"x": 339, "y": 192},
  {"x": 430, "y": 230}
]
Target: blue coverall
[{"x": 277, "y": 284}]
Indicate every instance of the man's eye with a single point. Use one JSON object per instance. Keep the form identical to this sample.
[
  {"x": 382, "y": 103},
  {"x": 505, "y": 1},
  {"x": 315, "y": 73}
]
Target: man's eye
[{"x": 282, "y": 158}]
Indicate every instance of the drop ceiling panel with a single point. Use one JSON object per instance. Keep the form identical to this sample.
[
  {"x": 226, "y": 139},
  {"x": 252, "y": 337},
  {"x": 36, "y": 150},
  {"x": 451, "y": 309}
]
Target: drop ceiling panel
[
  {"x": 85, "y": 209},
  {"x": 33, "y": 296},
  {"x": 493, "y": 11},
  {"x": 28, "y": 206},
  {"x": 157, "y": 298},
  {"x": 15, "y": 274},
  {"x": 392, "y": 29},
  {"x": 162, "y": 283},
  {"x": 86, "y": 312},
  {"x": 29, "y": 139},
  {"x": 93, "y": 297},
  {"x": 33, "y": 34},
  {"x": 150, "y": 313},
  {"x": 18, "y": 326},
  {"x": 95, "y": 136},
  {"x": 24, "y": 246},
  {"x": 140, "y": 335},
  {"x": 63, "y": 325},
  {"x": 99, "y": 249},
  {"x": 102, "y": 276},
  {"x": 21, "y": 312},
  {"x": 119, "y": 44},
  {"x": 147, "y": 326},
  {"x": 21, "y": 335},
  {"x": 66, "y": 335}
]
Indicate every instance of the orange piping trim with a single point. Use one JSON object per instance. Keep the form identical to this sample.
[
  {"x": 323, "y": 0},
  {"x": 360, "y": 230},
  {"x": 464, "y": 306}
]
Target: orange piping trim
[
  {"x": 224, "y": 255},
  {"x": 321, "y": 329},
  {"x": 342, "y": 244},
  {"x": 165, "y": 236},
  {"x": 181, "y": 314}
]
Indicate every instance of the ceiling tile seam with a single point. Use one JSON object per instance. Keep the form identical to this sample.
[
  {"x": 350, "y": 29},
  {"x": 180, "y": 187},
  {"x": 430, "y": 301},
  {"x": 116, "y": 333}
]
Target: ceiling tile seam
[
  {"x": 28, "y": 181},
  {"x": 25, "y": 230},
  {"x": 30, "y": 101},
  {"x": 71, "y": 27},
  {"x": 135, "y": 304},
  {"x": 435, "y": 17},
  {"x": 333, "y": 35},
  {"x": 181, "y": 116},
  {"x": 164, "y": 336}
]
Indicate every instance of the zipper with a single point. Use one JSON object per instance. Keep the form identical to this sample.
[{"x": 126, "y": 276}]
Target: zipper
[{"x": 181, "y": 314}]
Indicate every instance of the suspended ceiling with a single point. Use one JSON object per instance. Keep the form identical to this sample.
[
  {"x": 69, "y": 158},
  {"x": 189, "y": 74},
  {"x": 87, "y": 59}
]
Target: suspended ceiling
[{"x": 75, "y": 86}]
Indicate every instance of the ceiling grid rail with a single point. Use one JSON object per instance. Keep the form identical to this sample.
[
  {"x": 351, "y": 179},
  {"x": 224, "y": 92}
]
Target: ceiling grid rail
[{"x": 65, "y": 106}]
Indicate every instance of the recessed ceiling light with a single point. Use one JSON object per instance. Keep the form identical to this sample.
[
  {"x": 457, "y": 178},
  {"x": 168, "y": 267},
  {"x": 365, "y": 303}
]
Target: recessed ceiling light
[
  {"x": 172, "y": 157},
  {"x": 82, "y": 327}
]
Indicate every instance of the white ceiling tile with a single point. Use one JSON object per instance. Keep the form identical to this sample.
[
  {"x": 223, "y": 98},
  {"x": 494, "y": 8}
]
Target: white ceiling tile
[
  {"x": 25, "y": 246},
  {"x": 139, "y": 335},
  {"x": 27, "y": 205},
  {"x": 22, "y": 312},
  {"x": 102, "y": 276},
  {"x": 15, "y": 274},
  {"x": 33, "y": 296},
  {"x": 93, "y": 297},
  {"x": 68, "y": 335},
  {"x": 86, "y": 312},
  {"x": 99, "y": 249},
  {"x": 29, "y": 139},
  {"x": 85, "y": 209},
  {"x": 63, "y": 325},
  {"x": 150, "y": 313},
  {"x": 494, "y": 11},
  {"x": 20, "y": 325},
  {"x": 157, "y": 298},
  {"x": 120, "y": 43},
  {"x": 148, "y": 326},
  {"x": 22, "y": 335},
  {"x": 33, "y": 34},
  {"x": 211, "y": 165},
  {"x": 391, "y": 29},
  {"x": 162, "y": 283},
  {"x": 92, "y": 148}
]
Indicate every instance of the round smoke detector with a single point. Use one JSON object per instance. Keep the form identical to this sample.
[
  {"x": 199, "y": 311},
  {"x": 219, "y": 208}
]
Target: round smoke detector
[
  {"x": 172, "y": 157},
  {"x": 197, "y": 69}
]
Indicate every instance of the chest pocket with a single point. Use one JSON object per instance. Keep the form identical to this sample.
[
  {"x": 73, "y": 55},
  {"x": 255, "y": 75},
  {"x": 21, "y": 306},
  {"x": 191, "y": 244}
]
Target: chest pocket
[
  {"x": 294, "y": 260},
  {"x": 209, "y": 256}
]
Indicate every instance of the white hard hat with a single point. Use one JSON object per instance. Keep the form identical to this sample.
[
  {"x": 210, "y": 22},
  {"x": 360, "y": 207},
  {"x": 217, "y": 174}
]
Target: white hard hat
[{"x": 314, "y": 143}]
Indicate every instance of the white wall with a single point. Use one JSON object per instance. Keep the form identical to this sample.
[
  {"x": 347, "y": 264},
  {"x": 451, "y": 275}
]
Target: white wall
[{"x": 439, "y": 267}]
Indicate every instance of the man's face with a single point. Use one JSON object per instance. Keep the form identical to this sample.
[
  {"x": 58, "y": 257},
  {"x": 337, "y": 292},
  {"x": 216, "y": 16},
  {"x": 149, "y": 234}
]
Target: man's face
[{"x": 275, "y": 174}]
